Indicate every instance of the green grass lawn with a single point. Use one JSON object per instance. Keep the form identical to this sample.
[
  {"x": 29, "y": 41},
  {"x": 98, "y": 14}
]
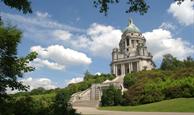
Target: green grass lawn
[{"x": 174, "y": 105}]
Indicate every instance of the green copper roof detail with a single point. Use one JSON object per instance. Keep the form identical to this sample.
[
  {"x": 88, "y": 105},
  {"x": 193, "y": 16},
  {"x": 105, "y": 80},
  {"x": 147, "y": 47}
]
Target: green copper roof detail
[{"x": 131, "y": 27}]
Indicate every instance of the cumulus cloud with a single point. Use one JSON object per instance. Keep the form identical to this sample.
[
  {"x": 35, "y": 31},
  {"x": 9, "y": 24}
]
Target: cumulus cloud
[
  {"x": 58, "y": 57},
  {"x": 39, "y": 82},
  {"x": 99, "y": 39},
  {"x": 184, "y": 12},
  {"x": 35, "y": 83},
  {"x": 75, "y": 80},
  {"x": 161, "y": 41},
  {"x": 41, "y": 63},
  {"x": 62, "y": 34}
]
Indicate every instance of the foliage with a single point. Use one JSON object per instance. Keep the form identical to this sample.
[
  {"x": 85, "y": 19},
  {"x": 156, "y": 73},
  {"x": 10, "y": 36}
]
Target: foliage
[
  {"x": 37, "y": 91},
  {"x": 139, "y": 6},
  {"x": 129, "y": 80},
  {"x": 157, "y": 85},
  {"x": 171, "y": 63},
  {"x": 62, "y": 105},
  {"x": 21, "y": 5},
  {"x": 134, "y": 6},
  {"x": 48, "y": 102},
  {"x": 42, "y": 105},
  {"x": 12, "y": 67},
  {"x": 111, "y": 96}
]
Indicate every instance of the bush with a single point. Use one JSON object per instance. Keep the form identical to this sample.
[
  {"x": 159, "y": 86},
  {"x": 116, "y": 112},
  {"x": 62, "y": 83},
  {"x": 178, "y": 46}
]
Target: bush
[
  {"x": 62, "y": 106},
  {"x": 157, "y": 85},
  {"x": 111, "y": 96},
  {"x": 129, "y": 80}
]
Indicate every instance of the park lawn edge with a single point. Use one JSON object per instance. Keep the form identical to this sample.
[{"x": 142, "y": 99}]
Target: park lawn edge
[{"x": 173, "y": 105}]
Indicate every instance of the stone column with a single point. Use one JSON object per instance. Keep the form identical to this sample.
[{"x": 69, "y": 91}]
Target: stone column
[
  {"x": 137, "y": 65},
  {"x": 123, "y": 69},
  {"x": 131, "y": 66},
  {"x": 113, "y": 68},
  {"x": 125, "y": 43},
  {"x": 116, "y": 70}
]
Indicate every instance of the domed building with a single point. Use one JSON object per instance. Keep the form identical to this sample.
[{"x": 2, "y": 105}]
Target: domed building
[{"x": 132, "y": 54}]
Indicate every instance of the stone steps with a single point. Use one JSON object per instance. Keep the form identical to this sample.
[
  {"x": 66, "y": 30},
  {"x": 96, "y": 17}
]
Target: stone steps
[{"x": 86, "y": 103}]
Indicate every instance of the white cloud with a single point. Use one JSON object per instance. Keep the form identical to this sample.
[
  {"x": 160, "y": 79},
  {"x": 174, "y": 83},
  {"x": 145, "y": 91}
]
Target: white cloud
[
  {"x": 98, "y": 73},
  {"x": 75, "y": 80},
  {"x": 60, "y": 57},
  {"x": 184, "y": 12},
  {"x": 161, "y": 42},
  {"x": 36, "y": 21},
  {"x": 62, "y": 34},
  {"x": 40, "y": 63},
  {"x": 99, "y": 39},
  {"x": 35, "y": 83},
  {"x": 39, "y": 82},
  {"x": 42, "y": 14},
  {"x": 41, "y": 27},
  {"x": 167, "y": 26}
]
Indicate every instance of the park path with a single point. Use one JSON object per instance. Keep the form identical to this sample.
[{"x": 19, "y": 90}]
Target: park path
[{"x": 94, "y": 111}]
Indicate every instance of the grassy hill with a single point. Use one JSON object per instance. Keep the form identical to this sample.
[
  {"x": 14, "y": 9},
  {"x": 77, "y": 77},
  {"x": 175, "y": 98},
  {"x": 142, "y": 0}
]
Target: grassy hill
[{"x": 173, "y": 105}]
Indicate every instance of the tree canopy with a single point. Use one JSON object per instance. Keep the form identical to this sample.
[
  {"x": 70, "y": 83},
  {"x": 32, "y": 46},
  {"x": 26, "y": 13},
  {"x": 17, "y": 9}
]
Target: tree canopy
[
  {"x": 138, "y": 6},
  {"x": 12, "y": 67},
  {"x": 21, "y": 5}
]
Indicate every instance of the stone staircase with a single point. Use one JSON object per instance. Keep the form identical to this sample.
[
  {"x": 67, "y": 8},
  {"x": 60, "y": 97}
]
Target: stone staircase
[
  {"x": 91, "y": 97},
  {"x": 86, "y": 103}
]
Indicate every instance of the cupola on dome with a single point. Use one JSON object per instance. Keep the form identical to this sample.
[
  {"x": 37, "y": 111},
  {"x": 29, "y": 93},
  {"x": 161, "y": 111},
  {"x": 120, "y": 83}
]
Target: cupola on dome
[{"x": 131, "y": 28}]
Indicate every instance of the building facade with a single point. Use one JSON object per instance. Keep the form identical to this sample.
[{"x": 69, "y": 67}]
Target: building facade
[{"x": 132, "y": 54}]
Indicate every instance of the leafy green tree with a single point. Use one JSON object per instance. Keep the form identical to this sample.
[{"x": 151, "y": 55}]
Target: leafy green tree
[
  {"x": 138, "y": 6},
  {"x": 21, "y": 5},
  {"x": 62, "y": 106},
  {"x": 12, "y": 67},
  {"x": 129, "y": 80},
  {"x": 111, "y": 96},
  {"x": 169, "y": 62},
  {"x": 24, "y": 106},
  {"x": 189, "y": 62},
  {"x": 39, "y": 90}
]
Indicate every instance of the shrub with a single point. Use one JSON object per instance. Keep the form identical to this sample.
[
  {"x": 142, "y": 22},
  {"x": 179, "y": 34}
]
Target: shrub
[
  {"x": 111, "y": 96},
  {"x": 129, "y": 80},
  {"x": 156, "y": 85}
]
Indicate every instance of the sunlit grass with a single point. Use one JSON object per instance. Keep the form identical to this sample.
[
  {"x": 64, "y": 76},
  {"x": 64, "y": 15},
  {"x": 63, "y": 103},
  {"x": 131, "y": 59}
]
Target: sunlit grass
[{"x": 174, "y": 105}]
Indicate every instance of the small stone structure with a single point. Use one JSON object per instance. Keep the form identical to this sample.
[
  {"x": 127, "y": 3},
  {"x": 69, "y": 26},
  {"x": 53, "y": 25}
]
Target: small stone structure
[{"x": 131, "y": 56}]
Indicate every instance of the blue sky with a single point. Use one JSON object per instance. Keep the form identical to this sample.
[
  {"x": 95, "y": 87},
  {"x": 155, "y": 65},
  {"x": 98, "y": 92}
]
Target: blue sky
[{"x": 72, "y": 37}]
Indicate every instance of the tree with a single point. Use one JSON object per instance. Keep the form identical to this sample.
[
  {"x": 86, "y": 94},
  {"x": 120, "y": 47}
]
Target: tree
[
  {"x": 62, "y": 106},
  {"x": 12, "y": 67},
  {"x": 129, "y": 80},
  {"x": 39, "y": 90},
  {"x": 138, "y": 6},
  {"x": 111, "y": 96},
  {"x": 21, "y": 5},
  {"x": 169, "y": 62}
]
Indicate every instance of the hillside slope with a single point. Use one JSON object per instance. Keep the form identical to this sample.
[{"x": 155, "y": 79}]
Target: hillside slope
[{"x": 173, "y": 105}]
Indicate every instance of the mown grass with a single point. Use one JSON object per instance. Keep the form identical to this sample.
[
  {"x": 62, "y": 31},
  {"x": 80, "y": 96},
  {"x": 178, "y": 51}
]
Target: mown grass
[{"x": 173, "y": 105}]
